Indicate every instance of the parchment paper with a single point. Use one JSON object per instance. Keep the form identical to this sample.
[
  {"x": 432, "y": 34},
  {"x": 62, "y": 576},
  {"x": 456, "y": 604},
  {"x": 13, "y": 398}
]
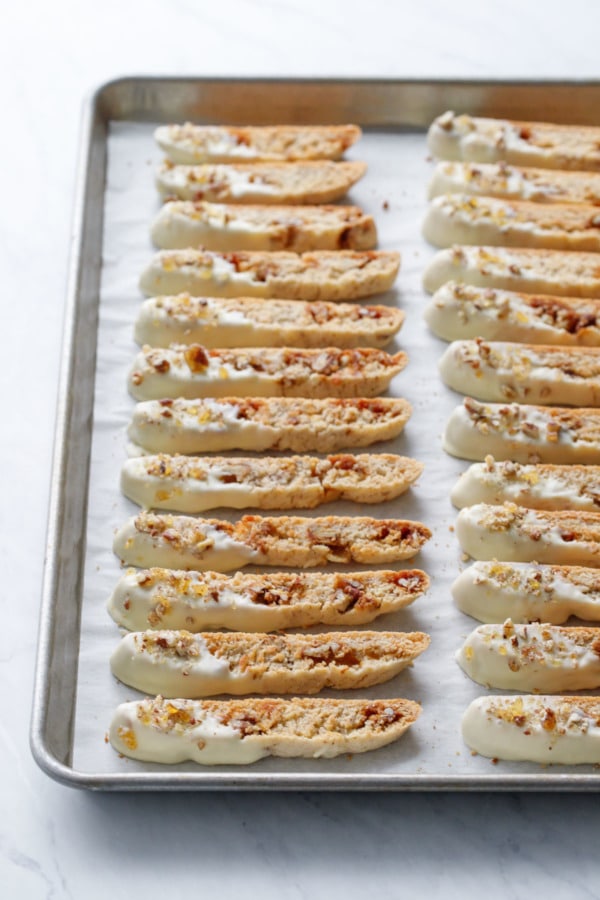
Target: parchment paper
[{"x": 394, "y": 192}]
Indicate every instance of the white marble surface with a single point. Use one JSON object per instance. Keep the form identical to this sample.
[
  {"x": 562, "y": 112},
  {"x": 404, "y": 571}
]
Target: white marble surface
[{"x": 55, "y": 842}]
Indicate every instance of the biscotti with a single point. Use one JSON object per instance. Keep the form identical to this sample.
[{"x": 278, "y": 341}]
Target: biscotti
[
  {"x": 277, "y": 182},
  {"x": 532, "y": 657},
  {"x": 198, "y": 601},
  {"x": 250, "y": 322},
  {"x": 534, "y": 486},
  {"x": 540, "y": 144},
  {"x": 515, "y": 183},
  {"x": 535, "y": 728},
  {"x": 523, "y": 433},
  {"x": 239, "y": 732},
  {"x": 278, "y": 423},
  {"x": 514, "y": 534},
  {"x": 182, "y": 542},
  {"x": 192, "y": 485},
  {"x": 528, "y": 592},
  {"x": 192, "y": 372},
  {"x": 568, "y": 273},
  {"x": 458, "y": 311},
  {"x": 318, "y": 275},
  {"x": 191, "y": 143},
  {"x": 182, "y": 664},
  {"x": 227, "y": 227},
  {"x": 529, "y": 373},
  {"x": 464, "y": 219}
]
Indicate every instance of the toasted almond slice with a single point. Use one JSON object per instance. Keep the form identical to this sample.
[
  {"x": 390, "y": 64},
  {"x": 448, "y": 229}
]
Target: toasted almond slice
[
  {"x": 515, "y": 183},
  {"x": 190, "y": 143},
  {"x": 182, "y": 542},
  {"x": 528, "y": 373},
  {"x": 540, "y": 144},
  {"x": 182, "y": 664},
  {"x": 193, "y": 372},
  {"x": 228, "y": 227},
  {"x": 251, "y": 322},
  {"x": 239, "y": 732},
  {"x": 463, "y": 311},
  {"x": 528, "y": 592},
  {"x": 526, "y": 434},
  {"x": 319, "y": 275},
  {"x": 568, "y": 273},
  {"x": 276, "y": 182},
  {"x": 197, "y": 601},
  {"x": 532, "y": 657},
  {"x": 515, "y": 534},
  {"x": 534, "y": 486},
  {"x": 542, "y": 729},
  {"x": 193, "y": 485},
  {"x": 464, "y": 219}
]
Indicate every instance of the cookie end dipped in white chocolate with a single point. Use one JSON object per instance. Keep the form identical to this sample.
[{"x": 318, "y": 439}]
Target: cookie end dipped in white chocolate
[
  {"x": 493, "y": 591},
  {"x": 540, "y": 728},
  {"x": 171, "y": 731},
  {"x": 532, "y": 657}
]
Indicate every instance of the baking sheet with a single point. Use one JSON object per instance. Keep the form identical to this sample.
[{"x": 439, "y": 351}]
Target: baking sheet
[{"x": 432, "y": 753}]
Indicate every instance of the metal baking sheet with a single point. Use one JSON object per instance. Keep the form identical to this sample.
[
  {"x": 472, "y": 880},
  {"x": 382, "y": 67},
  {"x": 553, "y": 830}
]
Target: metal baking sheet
[{"x": 74, "y": 691}]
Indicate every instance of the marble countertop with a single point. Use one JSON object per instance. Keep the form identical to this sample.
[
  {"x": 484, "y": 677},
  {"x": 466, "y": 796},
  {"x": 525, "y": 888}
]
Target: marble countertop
[{"x": 59, "y": 843}]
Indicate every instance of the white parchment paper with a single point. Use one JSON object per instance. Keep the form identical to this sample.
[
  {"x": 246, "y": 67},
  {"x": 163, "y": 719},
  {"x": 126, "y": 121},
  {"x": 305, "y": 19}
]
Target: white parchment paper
[{"x": 394, "y": 192}]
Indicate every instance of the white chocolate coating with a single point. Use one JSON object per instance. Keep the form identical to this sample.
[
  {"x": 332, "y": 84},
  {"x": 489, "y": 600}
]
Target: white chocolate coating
[
  {"x": 500, "y": 371},
  {"x": 533, "y": 486},
  {"x": 532, "y": 657},
  {"x": 492, "y": 591},
  {"x": 538, "y": 728},
  {"x": 514, "y": 534},
  {"x": 523, "y": 433},
  {"x": 208, "y": 742},
  {"x": 458, "y": 311},
  {"x": 207, "y": 548}
]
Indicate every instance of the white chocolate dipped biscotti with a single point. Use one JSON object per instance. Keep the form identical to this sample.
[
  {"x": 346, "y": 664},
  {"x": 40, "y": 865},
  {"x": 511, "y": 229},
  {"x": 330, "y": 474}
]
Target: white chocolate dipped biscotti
[
  {"x": 198, "y": 601},
  {"x": 320, "y": 181},
  {"x": 192, "y": 485},
  {"x": 183, "y": 542},
  {"x": 239, "y": 732},
  {"x": 535, "y": 728},
  {"x": 250, "y": 322},
  {"x": 515, "y": 534},
  {"x": 228, "y": 227},
  {"x": 523, "y": 433},
  {"x": 532, "y": 657},
  {"x": 492, "y": 591},
  {"x": 182, "y": 664},
  {"x": 300, "y": 425},
  {"x": 569, "y": 273},
  {"x": 189, "y": 143},
  {"x": 457, "y": 311},
  {"x": 192, "y": 372},
  {"x": 316, "y": 275},
  {"x": 515, "y": 182},
  {"x": 543, "y": 144},
  {"x": 534, "y": 486},
  {"x": 465, "y": 219},
  {"x": 527, "y": 373}
]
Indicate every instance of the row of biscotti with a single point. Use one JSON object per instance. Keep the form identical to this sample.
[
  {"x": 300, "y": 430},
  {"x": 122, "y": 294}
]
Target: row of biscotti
[
  {"x": 240, "y": 189},
  {"x": 183, "y": 665},
  {"x": 227, "y": 195},
  {"x": 503, "y": 351}
]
